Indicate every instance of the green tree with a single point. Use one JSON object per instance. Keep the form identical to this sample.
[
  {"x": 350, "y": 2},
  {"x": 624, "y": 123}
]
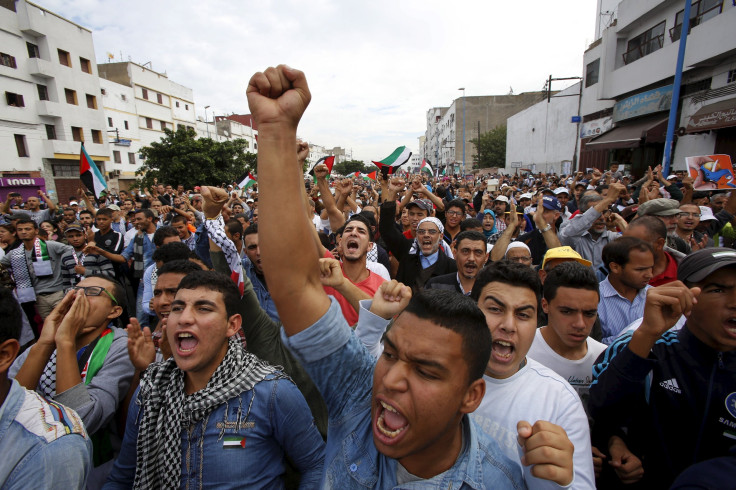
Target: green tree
[
  {"x": 349, "y": 166},
  {"x": 181, "y": 158},
  {"x": 490, "y": 148}
]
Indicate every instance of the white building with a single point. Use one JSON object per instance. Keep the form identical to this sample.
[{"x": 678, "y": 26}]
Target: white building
[
  {"x": 543, "y": 137},
  {"x": 51, "y": 102},
  {"x": 628, "y": 88},
  {"x": 149, "y": 103}
]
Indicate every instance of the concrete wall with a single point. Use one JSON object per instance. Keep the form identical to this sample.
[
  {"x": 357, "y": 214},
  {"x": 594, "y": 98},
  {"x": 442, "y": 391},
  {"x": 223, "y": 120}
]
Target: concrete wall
[{"x": 543, "y": 135}]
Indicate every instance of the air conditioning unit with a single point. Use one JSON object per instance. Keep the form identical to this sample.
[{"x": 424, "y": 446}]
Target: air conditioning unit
[{"x": 114, "y": 174}]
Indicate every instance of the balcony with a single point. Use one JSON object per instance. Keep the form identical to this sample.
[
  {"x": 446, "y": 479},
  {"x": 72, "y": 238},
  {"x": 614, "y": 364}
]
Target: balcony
[
  {"x": 641, "y": 50},
  {"x": 699, "y": 13},
  {"x": 40, "y": 68},
  {"x": 46, "y": 108}
]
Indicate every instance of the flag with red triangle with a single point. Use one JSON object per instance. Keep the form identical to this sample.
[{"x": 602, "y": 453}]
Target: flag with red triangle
[
  {"x": 90, "y": 174},
  {"x": 391, "y": 163}
]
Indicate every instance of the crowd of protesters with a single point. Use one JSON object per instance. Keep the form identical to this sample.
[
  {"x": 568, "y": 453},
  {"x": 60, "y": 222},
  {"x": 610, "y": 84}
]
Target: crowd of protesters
[{"x": 417, "y": 331}]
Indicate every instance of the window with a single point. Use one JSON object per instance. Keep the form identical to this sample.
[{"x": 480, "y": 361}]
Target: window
[
  {"x": 20, "y": 145},
  {"x": 591, "y": 72},
  {"x": 71, "y": 96},
  {"x": 109, "y": 122},
  {"x": 186, "y": 107},
  {"x": 14, "y": 100},
  {"x": 163, "y": 125},
  {"x": 64, "y": 58},
  {"x": 125, "y": 123},
  {"x": 43, "y": 92},
  {"x": 7, "y": 60},
  {"x": 91, "y": 101},
  {"x": 102, "y": 91},
  {"x": 177, "y": 103},
  {"x": 159, "y": 98},
  {"x": 145, "y": 93},
  {"x": 77, "y": 134},
  {"x": 731, "y": 77},
  {"x": 32, "y": 50},
  {"x": 149, "y": 123},
  {"x": 179, "y": 126},
  {"x": 645, "y": 43},
  {"x": 116, "y": 156},
  {"x": 85, "y": 64},
  {"x": 97, "y": 136},
  {"x": 131, "y": 158},
  {"x": 51, "y": 131},
  {"x": 124, "y": 97},
  {"x": 700, "y": 11}
]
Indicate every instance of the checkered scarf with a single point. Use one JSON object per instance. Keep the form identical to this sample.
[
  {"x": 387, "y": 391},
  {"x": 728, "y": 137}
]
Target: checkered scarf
[
  {"x": 47, "y": 383},
  {"x": 22, "y": 275},
  {"x": 138, "y": 260},
  {"x": 416, "y": 249},
  {"x": 167, "y": 410}
]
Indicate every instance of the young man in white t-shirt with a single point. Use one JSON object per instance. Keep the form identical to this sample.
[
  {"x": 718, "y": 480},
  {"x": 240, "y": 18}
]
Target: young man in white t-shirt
[{"x": 570, "y": 300}]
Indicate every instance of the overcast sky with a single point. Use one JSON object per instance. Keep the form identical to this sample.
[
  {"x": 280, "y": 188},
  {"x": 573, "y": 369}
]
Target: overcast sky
[{"x": 374, "y": 68}]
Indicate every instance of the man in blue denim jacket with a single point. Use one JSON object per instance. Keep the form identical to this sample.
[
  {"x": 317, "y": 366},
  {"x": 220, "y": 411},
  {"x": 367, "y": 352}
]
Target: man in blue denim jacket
[
  {"x": 214, "y": 415},
  {"x": 44, "y": 444},
  {"x": 411, "y": 429}
]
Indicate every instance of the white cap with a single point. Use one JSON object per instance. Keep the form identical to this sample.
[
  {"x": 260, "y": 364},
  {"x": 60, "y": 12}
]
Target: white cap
[
  {"x": 527, "y": 195},
  {"x": 671, "y": 176},
  {"x": 706, "y": 214},
  {"x": 560, "y": 190},
  {"x": 73, "y": 203},
  {"x": 502, "y": 199}
]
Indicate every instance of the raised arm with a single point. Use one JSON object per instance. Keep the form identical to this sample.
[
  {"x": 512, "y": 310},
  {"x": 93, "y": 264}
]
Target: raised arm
[
  {"x": 337, "y": 219},
  {"x": 278, "y": 98}
]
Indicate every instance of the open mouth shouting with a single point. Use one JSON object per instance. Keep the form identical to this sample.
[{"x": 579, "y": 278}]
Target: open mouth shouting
[
  {"x": 389, "y": 425},
  {"x": 186, "y": 343},
  {"x": 352, "y": 245},
  {"x": 502, "y": 351}
]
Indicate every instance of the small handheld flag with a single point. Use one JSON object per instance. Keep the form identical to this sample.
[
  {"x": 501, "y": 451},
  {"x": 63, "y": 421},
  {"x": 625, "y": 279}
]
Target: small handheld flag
[
  {"x": 328, "y": 161},
  {"x": 391, "y": 163},
  {"x": 246, "y": 181},
  {"x": 427, "y": 167},
  {"x": 90, "y": 175}
]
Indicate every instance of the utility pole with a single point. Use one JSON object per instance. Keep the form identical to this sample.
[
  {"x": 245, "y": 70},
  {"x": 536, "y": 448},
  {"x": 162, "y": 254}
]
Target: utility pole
[{"x": 464, "y": 171}]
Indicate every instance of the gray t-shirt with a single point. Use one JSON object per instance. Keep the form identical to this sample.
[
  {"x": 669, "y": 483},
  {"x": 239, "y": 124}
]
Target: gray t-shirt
[
  {"x": 38, "y": 216},
  {"x": 50, "y": 283}
]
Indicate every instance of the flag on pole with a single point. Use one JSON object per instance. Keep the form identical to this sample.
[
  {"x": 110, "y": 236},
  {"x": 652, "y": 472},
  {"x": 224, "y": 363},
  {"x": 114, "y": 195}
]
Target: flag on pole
[
  {"x": 90, "y": 175},
  {"x": 328, "y": 161},
  {"x": 427, "y": 167},
  {"x": 391, "y": 163},
  {"x": 246, "y": 181}
]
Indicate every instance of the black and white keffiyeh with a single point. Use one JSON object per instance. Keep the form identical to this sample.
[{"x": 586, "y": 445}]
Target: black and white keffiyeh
[
  {"x": 138, "y": 260},
  {"x": 415, "y": 249},
  {"x": 167, "y": 410}
]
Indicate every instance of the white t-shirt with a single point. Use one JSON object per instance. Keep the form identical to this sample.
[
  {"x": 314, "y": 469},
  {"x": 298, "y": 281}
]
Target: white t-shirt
[
  {"x": 536, "y": 393},
  {"x": 579, "y": 373}
]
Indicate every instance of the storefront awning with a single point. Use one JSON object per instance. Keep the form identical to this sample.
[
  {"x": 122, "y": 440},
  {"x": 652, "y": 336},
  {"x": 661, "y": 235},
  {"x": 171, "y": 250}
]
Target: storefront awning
[
  {"x": 713, "y": 116},
  {"x": 631, "y": 134}
]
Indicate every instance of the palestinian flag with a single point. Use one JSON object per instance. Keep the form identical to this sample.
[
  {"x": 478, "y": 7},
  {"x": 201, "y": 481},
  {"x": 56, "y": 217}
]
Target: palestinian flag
[
  {"x": 90, "y": 175},
  {"x": 391, "y": 163},
  {"x": 426, "y": 167},
  {"x": 369, "y": 176},
  {"x": 329, "y": 161},
  {"x": 233, "y": 442},
  {"x": 246, "y": 181}
]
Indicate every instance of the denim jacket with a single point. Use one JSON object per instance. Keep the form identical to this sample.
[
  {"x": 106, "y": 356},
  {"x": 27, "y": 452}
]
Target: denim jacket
[
  {"x": 342, "y": 369},
  {"x": 279, "y": 423},
  {"x": 264, "y": 297},
  {"x": 148, "y": 249},
  {"x": 44, "y": 444}
]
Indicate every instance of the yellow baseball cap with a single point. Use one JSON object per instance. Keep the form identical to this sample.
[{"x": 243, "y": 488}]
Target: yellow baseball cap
[{"x": 564, "y": 253}]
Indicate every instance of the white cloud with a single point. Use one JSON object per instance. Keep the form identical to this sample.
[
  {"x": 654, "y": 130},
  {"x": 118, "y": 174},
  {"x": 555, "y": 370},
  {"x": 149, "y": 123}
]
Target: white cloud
[{"x": 374, "y": 68}]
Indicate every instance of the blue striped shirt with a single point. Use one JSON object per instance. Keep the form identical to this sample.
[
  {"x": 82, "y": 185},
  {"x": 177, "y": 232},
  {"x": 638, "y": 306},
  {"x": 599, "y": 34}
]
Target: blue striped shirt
[{"x": 617, "y": 312}]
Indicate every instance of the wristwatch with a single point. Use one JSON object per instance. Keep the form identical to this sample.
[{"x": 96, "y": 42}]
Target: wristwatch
[{"x": 546, "y": 228}]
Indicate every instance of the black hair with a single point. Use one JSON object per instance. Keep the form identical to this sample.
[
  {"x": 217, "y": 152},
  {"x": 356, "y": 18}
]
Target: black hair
[
  {"x": 370, "y": 216},
  {"x": 251, "y": 230},
  {"x": 362, "y": 219},
  {"x": 171, "y": 251},
  {"x": 214, "y": 281},
  {"x": 10, "y": 312},
  {"x": 163, "y": 233},
  {"x": 619, "y": 250},
  {"x": 179, "y": 267},
  {"x": 86, "y": 211},
  {"x": 510, "y": 273},
  {"x": 26, "y": 221},
  {"x": 474, "y": 236},
  {"x": 470, "y": 223},
  {"x": 117, "y": 289},
  {"x": 146, "y": 212},
  {"x": 179, "y": 219},
  {"x": 456, "y": 203},
  {"x": 655, "y": 227},
  {"x": 104, "y": 212},
  {"x": 241, "y": 215},
  {"x": 460, "y": 314},
  {"x": 570, "y": 275},
  {"x": 234, "y": 226}
]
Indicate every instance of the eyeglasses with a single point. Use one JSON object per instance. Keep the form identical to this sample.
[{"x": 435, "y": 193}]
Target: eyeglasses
[
  {"x": 427, "y": 232},
  {"x": 92, "y": 291},
  {"x": 454, "y": 213},
  {"x": 694, "y": 215}
]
